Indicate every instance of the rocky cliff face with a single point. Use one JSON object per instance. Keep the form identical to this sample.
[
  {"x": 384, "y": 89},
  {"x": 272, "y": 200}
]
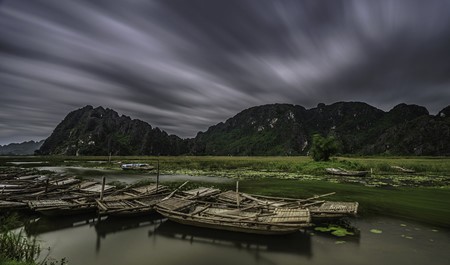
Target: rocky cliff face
[
  {"x": 282, "y": 129},
  {"x": 99, "y": 131},
  {"x": 265, "y": 130},
  {"x": 275, "y": 129}
]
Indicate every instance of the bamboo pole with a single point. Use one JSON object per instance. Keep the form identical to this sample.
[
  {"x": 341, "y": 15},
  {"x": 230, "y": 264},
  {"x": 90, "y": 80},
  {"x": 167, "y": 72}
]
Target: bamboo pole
[
  {"x": 237, "y": 193},
  {"x": 103, "y": 188},
  {"x": 173, "y": 192},
  {"x": 157, "y": 177}
]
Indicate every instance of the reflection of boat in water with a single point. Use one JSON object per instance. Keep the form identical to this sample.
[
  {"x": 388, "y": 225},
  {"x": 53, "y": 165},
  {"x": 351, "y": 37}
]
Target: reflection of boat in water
[
  {"x": 46, "y": 224},
  {"x": 113, "y": 225},
  {"x": 297, "y": 244},
  {"x": 117, "y": 224}
]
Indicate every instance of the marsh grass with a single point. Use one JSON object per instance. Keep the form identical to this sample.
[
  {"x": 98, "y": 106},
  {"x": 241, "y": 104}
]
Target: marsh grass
[{"x": 18, "y": 249}]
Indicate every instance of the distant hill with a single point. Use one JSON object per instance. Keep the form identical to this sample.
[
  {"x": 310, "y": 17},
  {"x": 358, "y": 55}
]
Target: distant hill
[
  {"x": 283, "y": 129},
  {"x": 25, "y": 148},
  {"x": 99, "y": 131},
  {"x": 274, "y": 129}
]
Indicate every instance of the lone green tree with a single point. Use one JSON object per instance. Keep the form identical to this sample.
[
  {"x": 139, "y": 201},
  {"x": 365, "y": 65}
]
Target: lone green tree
[{"x": 323, "y": 147}]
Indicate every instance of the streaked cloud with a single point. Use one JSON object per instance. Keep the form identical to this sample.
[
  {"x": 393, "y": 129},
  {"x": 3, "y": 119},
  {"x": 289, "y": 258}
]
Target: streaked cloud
[{"x": 185, "y": 65}]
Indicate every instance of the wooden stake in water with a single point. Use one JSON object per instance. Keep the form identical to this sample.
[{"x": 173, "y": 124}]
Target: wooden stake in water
[
  {"x": 237, "y": 193},
  {"x": 109, "y": 158},
  {"x": 103, "y": 188},
  {"x": 157, "y": 177},
  {"x": 46, "y": 184}
]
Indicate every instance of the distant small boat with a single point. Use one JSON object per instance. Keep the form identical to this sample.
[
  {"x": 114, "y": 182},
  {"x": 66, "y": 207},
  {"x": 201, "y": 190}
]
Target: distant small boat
[
  {"x": 343, "y": 172},
  {"x": 404, "y": 170},
  {"x": 137, "y": 166}
]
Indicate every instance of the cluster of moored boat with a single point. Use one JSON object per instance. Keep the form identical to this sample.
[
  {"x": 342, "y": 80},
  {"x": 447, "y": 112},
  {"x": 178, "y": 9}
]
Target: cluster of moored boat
[{"x": 204, "y": 207}]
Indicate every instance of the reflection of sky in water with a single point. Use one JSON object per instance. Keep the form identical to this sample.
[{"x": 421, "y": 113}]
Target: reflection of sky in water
[
  {"x": 28, "y": 162},
  {"x": 152, "y": 240},
  {"x": 113, "y": 175}
]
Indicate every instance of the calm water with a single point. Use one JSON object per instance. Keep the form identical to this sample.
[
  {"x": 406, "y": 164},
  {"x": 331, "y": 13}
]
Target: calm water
[
  {"x": 112, "y": 175},
  {"x": 154, "y": 240}
]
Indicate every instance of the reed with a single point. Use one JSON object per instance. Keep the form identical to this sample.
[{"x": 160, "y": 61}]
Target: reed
[{"x": 17, "y": 249}]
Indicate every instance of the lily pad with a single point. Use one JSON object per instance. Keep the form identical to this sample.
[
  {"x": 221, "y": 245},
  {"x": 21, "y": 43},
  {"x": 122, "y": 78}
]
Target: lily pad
[
  {"x": 402, "y": 225},
  {"x": 376, "y": 231},
  {"x": 339, "y": 242},
  {"x": 322, "y": 229},
  {"x": 335, "y": 230}
]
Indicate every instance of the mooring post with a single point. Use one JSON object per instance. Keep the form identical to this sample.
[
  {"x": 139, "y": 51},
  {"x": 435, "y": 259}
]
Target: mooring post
[
  {"x": 237, "y": 193},
  {"x": 46, "y": 184},
  {"x": 157, "y": 175},
  {"x": 103, "y": 188}
]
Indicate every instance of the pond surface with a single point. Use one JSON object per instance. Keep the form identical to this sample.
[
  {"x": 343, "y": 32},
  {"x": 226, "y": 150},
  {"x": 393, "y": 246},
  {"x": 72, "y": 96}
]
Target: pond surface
[
  {"x": 155, "y": 240},
  {"x": 115, "y": 175}
]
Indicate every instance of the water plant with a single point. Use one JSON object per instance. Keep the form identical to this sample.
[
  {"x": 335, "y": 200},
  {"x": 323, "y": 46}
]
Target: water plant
[{"x": 335, "y": 230}]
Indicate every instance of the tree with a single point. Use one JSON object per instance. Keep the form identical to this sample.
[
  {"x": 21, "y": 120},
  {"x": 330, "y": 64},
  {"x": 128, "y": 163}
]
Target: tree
[{"x": 323, "y": 147}]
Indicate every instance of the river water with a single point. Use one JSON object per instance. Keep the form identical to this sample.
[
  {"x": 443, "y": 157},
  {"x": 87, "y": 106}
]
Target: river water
[
  {"x": 155, "y": 240},
  {"x": 113, "y": 175}
]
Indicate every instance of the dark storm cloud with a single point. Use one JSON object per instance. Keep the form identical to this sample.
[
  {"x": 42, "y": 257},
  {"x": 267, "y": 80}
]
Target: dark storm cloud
[{"x": 185, "y": 65}]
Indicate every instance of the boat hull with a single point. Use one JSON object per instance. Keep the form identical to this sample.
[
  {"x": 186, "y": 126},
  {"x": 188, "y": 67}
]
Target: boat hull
[{"x": 234, "y": 226}]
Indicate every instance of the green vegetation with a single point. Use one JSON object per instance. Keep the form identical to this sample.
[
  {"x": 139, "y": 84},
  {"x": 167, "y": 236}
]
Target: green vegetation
[
  {"x": 16, "y": 248},
  {"x": 323, "y": 147},
  {"x": 428, "y": 205},
  {"x": 335, "y": 230}
]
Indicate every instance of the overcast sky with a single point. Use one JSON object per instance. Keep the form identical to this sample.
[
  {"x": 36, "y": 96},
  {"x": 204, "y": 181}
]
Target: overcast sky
[{"x": 186, "y": 65}]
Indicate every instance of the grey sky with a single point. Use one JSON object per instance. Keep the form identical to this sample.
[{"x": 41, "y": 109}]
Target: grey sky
[{"x": 186, "y": 65}]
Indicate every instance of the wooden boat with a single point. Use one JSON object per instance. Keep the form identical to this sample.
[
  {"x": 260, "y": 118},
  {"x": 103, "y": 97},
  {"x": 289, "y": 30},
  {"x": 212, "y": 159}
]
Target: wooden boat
[
  {"x": 63, "y": 206},
  {"x": 343, "y": 172},
  {"x": 200, "y": 193},
  {"x": 132, "y": 201},
  {"x": 75, "y": 199},
  {"x": 137, "y": 166},
  {"x": 404, "y": 170},
  {"x": 11, "y": 205},
  {"x": 253, "y": 219},
  {"x": 318, "y": 208}
]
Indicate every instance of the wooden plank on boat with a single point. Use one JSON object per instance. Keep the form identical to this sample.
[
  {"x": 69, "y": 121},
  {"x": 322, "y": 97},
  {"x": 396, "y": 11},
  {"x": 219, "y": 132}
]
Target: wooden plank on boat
[
  {"x": 12, "y": 205},
  {"x": 201, "y": 192},
  {"x": 175, "y": 204},
  {"x": 47, "y": 203},
  {"x": 29, "y": 177},
  {"x": 231, "y": 196},
  {"x": 97, "y": 188},
  {"x": 284, "y": 215},
  {"x": 65, "y": 181},
  {"x": 148, "y": 189},
  {"x": 336, "y": 207},
  {"x": 86, "y": 184}
]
